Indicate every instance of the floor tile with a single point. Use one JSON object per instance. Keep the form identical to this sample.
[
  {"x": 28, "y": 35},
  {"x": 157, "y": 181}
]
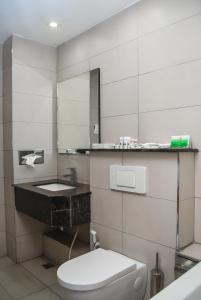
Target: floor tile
[
  {"x": 5, "y": 262},
  {"x": 42, "y": 295},
  {"x": 59, "y": 290},
  {"x": 4, "y": 295},
  {"x": 35, "y": 266},
  {"x": 18, "y": 282}
]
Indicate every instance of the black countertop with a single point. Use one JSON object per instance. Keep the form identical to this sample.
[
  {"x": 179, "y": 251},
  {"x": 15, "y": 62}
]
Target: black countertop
[
  {"x": 81, "y": 189},
  {"x": 165, "y": 150}
]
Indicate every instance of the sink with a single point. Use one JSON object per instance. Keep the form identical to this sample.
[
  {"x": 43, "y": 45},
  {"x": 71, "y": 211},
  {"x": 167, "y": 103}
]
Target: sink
[{"x": 56, "y": 187}]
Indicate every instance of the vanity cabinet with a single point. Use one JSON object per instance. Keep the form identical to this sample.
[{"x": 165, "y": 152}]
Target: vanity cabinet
[{"x": 57, "y": 209}]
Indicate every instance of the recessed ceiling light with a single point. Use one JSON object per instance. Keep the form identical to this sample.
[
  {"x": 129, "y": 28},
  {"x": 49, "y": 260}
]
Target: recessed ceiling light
[{"x": 53, "y": 24}]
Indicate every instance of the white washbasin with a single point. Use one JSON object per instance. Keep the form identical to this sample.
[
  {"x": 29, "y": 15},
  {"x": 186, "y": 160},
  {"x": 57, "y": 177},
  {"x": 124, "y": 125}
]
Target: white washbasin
[{"x": 56, "y": 187}]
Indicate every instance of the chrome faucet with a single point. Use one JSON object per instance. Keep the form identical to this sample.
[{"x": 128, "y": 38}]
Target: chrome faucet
[{"x": 72, "y": 175}]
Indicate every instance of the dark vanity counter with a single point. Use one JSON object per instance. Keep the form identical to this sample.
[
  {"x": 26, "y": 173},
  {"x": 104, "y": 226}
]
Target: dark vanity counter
[
  {"x": 81, "y": 189},
  {"x": 56, "y": 208},
  {"x": 165, "y": 150}
]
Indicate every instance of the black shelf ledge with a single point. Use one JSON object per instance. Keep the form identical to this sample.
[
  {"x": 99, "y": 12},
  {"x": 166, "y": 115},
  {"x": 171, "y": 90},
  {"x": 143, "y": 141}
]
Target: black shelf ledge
[{"x": 165, "y": 150}]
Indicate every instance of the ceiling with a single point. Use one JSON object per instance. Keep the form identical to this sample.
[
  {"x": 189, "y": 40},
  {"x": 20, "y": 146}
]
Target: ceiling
[{"x": 30, "y": 18}]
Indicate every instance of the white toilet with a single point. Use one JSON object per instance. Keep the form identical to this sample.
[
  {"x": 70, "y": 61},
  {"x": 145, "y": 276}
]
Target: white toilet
[{"x": 103, "y": 275}]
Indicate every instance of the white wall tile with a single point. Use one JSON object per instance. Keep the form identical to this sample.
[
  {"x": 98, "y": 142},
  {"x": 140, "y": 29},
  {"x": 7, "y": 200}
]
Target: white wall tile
[
  {"x": 34, "y": 136},
  {"x": 178, "y": 86},
  {"x": 108, "y": 238},
  {"x": 119, "y": 98},
  {"x": 172, "y": 45},
  {"x": 33, "y": 109},
  {"x": 106, "y": 208},
  {"x": 126, "y": 125},
  {"x": 150, "y": 218},
  {"x": 197, "y": 220},
  {"x": 33, "y": 81},
  {"x": 118, "y": 63},
  {"x": 160, "y": 184},
  {"x": 30, "y": 53},
  {"x": 100, "y": 168},
  {"x": 155, "y": 14},
  {"x": 159, "y": 126}
]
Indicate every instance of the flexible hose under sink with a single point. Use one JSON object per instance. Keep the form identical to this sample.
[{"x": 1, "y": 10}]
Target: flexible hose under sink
[{"x": 72, "y": 244}]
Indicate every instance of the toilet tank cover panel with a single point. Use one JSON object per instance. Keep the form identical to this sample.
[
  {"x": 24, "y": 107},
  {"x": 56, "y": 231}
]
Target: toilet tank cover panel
[{"x": 94, "y": 270}]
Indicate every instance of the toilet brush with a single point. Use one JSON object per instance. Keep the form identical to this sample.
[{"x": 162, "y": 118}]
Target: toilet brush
[{"x": 157, "y": 278}]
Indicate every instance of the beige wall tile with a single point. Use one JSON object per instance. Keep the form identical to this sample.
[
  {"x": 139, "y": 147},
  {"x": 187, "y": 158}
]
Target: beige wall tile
[
  {"x": 118, "y": 63},
  {"x": 198, "y": 220},
  {"x": 114, "y": 127},
  {"x": 3, "y": 249},
  {"x": 171, "y": 45},
  {"x": 44, "y": 136},
  {"x": 155, "y": 14},
  {"x": 33, "y": 81},
  {"x": 120, "y": 98},
  {"x": 198, "y": 175},
  {"x": 108, "y": 238},
  {"x": 150, "y": 218},
  {"x": 2, "y": 218},
  {"x": 2, "y": 197},
  {"x": 160, "y": 184},
  {"x": 73, "y": 70},
  {"x": 186, "y": 222},
  {"x": 48, "y": 168},
  {"x": 30, "y": 53},
  {"x": 106, "y": 208},
  {"x": 159, "y": 126},
  {"x": 186, "y": 176},
  {"x": 32, "y": 108},
  {"x": 100, "y": 168},
  {"x": 75, "y": 51},
  {"x": 145, "y": 251},
  {"x": 29, "y": 246},
  {"x": 80, "y": 162},
  {"x": 26, "y": 225},
  {"x": 171, "y": 88},
  {"x": 116, "y": 30}
]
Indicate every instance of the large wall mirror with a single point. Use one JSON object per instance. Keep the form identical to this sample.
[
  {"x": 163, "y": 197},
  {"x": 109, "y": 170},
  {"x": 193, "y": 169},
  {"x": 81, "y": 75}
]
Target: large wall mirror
[{"x": 78, "y": 112}]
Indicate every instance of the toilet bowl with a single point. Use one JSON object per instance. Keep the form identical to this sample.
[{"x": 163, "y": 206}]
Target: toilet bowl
[{"x": 103, "y": 275}]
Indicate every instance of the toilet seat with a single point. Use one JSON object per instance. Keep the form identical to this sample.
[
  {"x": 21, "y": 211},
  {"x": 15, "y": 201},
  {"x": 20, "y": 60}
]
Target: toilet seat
[{"x": 94, "y": 270}]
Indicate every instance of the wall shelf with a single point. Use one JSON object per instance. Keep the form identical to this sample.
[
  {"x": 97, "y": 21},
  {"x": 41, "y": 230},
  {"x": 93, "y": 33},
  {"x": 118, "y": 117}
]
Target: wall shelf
[{"x": 165, "y": 150}]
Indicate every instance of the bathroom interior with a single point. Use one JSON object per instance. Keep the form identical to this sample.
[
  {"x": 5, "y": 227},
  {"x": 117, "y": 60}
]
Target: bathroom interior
[{"x": 100, "y": 171}]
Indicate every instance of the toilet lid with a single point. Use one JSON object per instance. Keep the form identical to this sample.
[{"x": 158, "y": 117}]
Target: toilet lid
[{"x": 94, "y": 270}]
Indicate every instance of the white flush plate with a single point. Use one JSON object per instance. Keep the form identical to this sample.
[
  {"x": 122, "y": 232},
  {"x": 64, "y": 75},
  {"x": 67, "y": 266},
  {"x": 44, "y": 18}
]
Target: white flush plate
[{"x": 128, "y": 178}]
